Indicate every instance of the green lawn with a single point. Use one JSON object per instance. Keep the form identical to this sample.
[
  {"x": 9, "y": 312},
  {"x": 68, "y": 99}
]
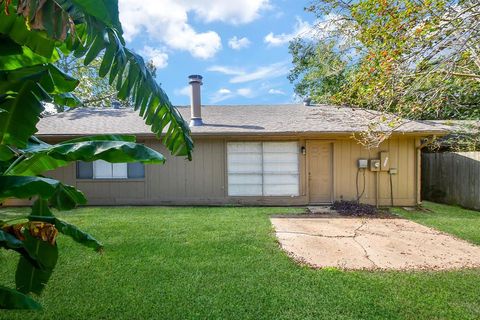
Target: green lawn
[
  {"x": 224, "y": 263},
  {"x": 455, "y": 220}
]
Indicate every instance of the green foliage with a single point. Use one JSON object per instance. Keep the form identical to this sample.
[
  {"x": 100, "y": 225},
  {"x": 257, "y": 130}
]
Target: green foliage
[
  {"x": 31, "y": 278},
  {"x": 65, "y": 197},
  {"x": 12, "y": 299},
  {"x": 319, "y": 71},
  {"x": 8, "y": 241},
  {"x": 92, "y": 90},
  {"x": 77, "y": 235},
  {"x": 461, "y": 222},
  {"x": 40, "y": 157},
  {"x": 414, "y": 58},
  {"x": 26, "y": 89},
  {"x": 35, "y": 34},
  {"x": 84, "y": 29}
]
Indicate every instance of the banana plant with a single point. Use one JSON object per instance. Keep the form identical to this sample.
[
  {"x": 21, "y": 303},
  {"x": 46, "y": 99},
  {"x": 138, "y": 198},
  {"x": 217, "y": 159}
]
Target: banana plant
[{"x": 33, "y": 34}]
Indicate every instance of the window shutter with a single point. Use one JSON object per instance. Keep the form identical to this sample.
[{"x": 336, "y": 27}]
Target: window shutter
[{"x": 84, "y": 170}]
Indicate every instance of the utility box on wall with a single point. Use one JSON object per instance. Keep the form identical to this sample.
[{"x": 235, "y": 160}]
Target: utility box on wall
[
  {"x": 362, "y": 164},
  {"x": 384, "y": 161},
  {"x": 374, "y": 165}
]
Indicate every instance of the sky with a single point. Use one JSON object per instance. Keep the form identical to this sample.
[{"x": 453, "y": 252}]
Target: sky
[{"x": 240, "y": 47}]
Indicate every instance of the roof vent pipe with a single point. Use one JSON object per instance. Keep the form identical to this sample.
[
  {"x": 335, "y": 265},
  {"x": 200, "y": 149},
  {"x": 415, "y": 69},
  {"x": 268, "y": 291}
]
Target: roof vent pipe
[
  {"x": 195, "y": 82},
  {"x": 307, "y": 101}
]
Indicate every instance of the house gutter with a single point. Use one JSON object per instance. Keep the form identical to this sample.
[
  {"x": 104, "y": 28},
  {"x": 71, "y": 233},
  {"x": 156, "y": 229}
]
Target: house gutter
[{"x": 246, "y": 134}]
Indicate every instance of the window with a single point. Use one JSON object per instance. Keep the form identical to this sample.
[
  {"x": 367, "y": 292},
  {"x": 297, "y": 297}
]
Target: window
[
  {"x": 104, "y": 170},
  {"x": 263, "y": 169},
  {"x": 245, "y": 174}
]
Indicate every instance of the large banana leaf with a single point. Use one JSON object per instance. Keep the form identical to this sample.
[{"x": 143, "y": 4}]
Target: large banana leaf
[
  {"x": 26, "y": 89},
  {"x": 6, "y": 153},
  {"x": 31, "y": 34},
  {"x": 63, "y": 197},
  {"x": 16, "y": 29},
  {"x": 51, "y": 79},
  {"x": 12, "y": 299},
  {"x": 8, "y": 241},
  {"x": 41, "y": 212},
  {"x": 40, "y": 156},
  {"x": 71, "y": 231},
  {"x": 78, "y": 235},
  {"x": 15, "y": 127},
  {"x": 87, "y": 28},
  {"x": 30, "y": 278},
  {"x": 14, "y": 56}
]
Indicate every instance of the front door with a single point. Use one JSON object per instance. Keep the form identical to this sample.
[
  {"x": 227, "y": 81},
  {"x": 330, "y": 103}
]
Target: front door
[{"x": 320, "y": 171}]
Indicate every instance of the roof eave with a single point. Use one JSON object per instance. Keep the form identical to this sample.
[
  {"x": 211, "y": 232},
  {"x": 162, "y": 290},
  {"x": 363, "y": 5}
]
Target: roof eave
[{"x": 273, "y": 133}]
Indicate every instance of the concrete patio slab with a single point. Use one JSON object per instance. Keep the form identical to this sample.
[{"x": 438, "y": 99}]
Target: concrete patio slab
[{"x": 369, "y": 243}]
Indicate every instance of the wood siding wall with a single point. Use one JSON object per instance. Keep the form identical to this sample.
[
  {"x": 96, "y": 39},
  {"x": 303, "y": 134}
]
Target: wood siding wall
[
  {"x": 204, "y": 180},
  {"x": 452, "y": 178},
  {"x": 402, "y": 152}
]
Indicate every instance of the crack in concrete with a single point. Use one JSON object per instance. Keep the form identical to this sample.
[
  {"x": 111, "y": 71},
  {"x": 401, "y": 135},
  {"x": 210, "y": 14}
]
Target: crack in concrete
[
  {"x": 355, "y": 234},
  {"x": 361, "y": 246},
  {"x": 411, "y": 245},
  {"x": 314, "y": 235}
]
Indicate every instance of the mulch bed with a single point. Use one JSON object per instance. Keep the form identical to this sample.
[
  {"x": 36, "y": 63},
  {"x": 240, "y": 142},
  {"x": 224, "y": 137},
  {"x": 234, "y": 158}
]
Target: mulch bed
[{"x": 355, "y": 209}]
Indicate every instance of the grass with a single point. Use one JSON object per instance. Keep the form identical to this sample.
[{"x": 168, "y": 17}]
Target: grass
[
  {"x": 224, "y": 263},
  {"x": 461, "y": 222}
]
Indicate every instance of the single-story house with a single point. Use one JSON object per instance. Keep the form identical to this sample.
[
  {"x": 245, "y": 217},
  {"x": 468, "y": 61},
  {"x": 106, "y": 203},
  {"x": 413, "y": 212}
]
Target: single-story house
[{"x": 249, "y": 155}]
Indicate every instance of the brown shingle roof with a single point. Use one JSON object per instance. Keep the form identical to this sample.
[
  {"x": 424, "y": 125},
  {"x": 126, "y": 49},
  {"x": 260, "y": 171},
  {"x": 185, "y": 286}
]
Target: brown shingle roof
[{"x": 229, "y": 120}]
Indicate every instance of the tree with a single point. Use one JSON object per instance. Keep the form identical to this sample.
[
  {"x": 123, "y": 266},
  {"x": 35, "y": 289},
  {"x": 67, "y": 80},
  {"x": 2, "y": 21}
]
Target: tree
[
  {"x": 34, "y": 34},
  {"x": 92, "y": 90},
  {"x": 319, "y": 71},
  {"x": 418, "y": 59}
]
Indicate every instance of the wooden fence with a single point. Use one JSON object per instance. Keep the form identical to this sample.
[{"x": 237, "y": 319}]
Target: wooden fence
[{"x": 452, "y": 178}]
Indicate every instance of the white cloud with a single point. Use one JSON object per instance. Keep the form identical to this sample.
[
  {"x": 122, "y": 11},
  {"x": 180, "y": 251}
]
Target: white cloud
[
  {"x": 224, "y": 91},
  {"x": 221, "y": 95},
  {"x": 274, "y": 70},
  {"x": 244, "y": 92},
  {"x": 265, "y": 72},
  {"x": 167, "y": 21},
  {"x": 237, "y": 44},
  {"x": 158, "y": 57},
  {"x": 234, "y": 12},
  {"x": 185, "y": 91},
  {"x": 301, "y": 28},
  {"x": 225, "y": 94},
  {"x": 322, "y": 28},
  {"x": 226, "y": 70},
  {"x": 276, "y": 91}
]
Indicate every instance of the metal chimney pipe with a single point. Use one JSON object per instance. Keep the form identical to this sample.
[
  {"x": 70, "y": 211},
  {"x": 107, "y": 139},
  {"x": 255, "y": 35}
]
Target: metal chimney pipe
[{"x": 195, "y": 82}]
